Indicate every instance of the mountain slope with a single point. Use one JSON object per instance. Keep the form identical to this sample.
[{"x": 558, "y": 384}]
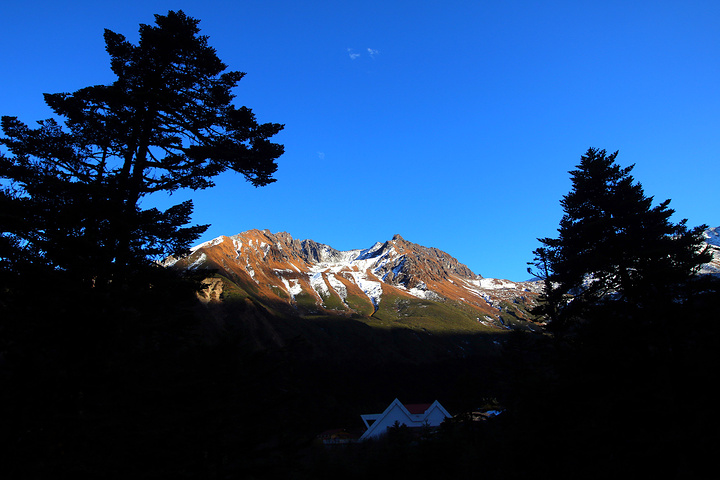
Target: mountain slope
[
  {"x": 712, "y": 238},
  {"x": 394, "y": 298},
  {"x": 395, "y": 282}
]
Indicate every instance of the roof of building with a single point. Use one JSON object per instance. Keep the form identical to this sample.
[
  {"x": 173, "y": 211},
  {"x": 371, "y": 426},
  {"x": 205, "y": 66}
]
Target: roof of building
[
  {"x": 417, "y": 408},
  {"x": 412, "y": 415}
]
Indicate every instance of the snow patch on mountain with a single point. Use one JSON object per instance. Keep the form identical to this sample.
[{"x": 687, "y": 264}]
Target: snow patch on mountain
[
  {"x": 356, "y": 263},
  {"x": 712, "y": 236},
  {"x": 397, "y": 268},
  {"x": 237, "y": 245},
  {"x": 371, "y": 288},
  {"x": 317, "y": 282},
  {"x": 208, "y": 244},
  {"x": 292, "y": 286},
  {"x": 198, "y": 262},
  {"x": 338, "y": 286},
  {"x": 370, "y": 252},
  {"x": 421, "y": 291},
  {"x": 493, "y": 283},
  {"x": 251, "y": 271}
]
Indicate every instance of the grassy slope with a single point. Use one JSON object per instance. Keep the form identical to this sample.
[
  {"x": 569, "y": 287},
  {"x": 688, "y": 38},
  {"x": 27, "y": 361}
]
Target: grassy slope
[
  {"x": 403, "y": 330},
  {"x": 436, "y": 317}
]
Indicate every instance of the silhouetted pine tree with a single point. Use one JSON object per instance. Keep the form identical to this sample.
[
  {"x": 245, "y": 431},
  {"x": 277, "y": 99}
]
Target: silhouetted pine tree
[
  {"x": 613, "y": 244},
  {"x": 621, "y": 278},
  {"x": 166, "y": 123},
  {"x": 103, "y": 373}
]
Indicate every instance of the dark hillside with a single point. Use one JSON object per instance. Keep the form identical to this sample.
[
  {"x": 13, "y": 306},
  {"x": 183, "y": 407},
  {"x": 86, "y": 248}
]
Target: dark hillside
[{"x": 198, "y": 398}]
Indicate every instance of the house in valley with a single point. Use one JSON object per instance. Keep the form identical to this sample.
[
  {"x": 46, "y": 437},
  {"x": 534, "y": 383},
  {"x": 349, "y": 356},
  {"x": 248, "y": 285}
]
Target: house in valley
[{"x": 411, "y": 415}]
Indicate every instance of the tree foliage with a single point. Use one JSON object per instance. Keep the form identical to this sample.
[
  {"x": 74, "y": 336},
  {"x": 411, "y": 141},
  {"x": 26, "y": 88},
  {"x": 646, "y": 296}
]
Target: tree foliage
[
  {"x": 167, "y": 122},
  {"x": 102, "y": 355},
  {"x": 613, "y": 244}
]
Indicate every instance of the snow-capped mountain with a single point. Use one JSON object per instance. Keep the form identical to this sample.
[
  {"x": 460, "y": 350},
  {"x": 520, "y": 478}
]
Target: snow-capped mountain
[
  {"x": 391, "y": 284},
  {"x": 712, "y": 238},
  {"x": 392, "y": 281}
]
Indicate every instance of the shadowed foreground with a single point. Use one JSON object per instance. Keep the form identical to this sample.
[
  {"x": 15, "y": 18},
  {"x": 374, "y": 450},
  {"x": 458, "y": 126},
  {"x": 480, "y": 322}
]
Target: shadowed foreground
[{"x": 171, "y": 398}]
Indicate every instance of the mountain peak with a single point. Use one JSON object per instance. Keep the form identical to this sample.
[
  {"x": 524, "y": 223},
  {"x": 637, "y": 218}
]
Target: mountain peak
[
  {"x": 393, "y": 278},
  {"x": 396, "y": 282}
]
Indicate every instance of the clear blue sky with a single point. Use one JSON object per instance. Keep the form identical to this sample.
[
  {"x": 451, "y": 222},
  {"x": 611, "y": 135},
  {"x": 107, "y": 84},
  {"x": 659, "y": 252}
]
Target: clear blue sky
[{"x": 452, "y": 123}]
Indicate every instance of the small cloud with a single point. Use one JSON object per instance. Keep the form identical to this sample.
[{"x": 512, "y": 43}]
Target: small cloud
[
  {"x": 321, "y": 155},
  {"x": 370, "y": 51}
]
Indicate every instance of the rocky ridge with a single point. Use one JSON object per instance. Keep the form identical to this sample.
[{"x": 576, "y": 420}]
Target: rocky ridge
[
  {"x": 314, "y": 278},
  {"x": 396, "y": 282}
]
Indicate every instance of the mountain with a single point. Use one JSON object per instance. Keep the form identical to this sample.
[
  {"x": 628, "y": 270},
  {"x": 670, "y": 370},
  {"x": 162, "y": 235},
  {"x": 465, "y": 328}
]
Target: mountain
[
  {"x": 303, "y": 277},
  {"x": 712, "y": 238},
  {"x": 338, "y": 333},
  {"x": 275, "y": 289}
]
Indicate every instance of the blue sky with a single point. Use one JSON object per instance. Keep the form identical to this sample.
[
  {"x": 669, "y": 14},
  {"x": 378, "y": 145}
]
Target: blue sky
[{"x": 452, "y": 123}]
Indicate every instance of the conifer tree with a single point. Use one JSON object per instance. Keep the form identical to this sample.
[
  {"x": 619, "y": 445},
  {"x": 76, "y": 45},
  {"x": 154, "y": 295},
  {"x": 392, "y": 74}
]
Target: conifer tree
[
  {"x": 613, "y": 244},
  {"x": 99, "y": 346},
  {"x": 167, "y": 122}
]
